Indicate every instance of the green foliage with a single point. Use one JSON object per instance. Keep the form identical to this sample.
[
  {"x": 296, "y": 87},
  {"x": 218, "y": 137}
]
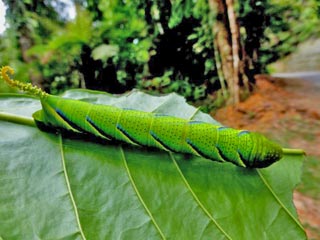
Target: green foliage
[
  {"x": 9, "y": 53},
  {"x": 60, "y": 187},
  {"x": 278, "y": 27},
  {"x": 180, "y": 9},
  {"x": 165, "y": 84},
  {"x": 56, "y": 57},
  {"x": 118, "y": 45},
  {"x": 113, "y": 46},
  {"x": 58, "y": 52},
  {"x": 183, "y": 48},
  {"x": 123, "y": 26}
]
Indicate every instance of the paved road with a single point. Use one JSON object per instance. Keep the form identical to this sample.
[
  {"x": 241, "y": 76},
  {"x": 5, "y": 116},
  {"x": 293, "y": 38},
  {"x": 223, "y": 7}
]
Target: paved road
[
  {"x": 311, "y": 77},
  {"x": 304, "y": 84}
]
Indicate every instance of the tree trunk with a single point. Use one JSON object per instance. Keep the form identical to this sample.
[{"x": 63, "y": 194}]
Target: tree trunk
[
  {"x": 235, "y": 41},
  {"x": 227, "y": 43}
]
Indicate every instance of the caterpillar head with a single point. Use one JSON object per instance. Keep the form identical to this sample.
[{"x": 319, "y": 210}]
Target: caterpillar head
[{"x": 260, "y": 152}]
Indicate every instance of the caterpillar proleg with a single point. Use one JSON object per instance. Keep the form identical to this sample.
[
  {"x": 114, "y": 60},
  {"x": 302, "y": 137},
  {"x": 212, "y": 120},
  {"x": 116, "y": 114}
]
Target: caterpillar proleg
[{"x": 214, "y": 142}]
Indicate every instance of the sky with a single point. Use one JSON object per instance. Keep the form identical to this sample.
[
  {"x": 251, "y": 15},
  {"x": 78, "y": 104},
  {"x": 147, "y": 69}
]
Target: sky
[
  {"x": 2, "y": 15},
  {"x": 70, "y": 9}
]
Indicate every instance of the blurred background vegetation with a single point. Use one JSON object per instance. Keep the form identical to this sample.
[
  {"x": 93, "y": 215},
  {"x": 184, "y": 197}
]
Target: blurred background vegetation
[{"x": 197, "y": 48}]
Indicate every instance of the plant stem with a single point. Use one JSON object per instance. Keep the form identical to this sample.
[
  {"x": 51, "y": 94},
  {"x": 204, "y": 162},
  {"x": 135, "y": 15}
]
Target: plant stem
[
  {"x": 17, "y": 119},
  {"x": 293, "y": 151}
]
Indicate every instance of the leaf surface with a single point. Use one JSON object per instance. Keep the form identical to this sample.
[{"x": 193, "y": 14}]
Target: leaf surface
[{"x": 52, "y": 187}]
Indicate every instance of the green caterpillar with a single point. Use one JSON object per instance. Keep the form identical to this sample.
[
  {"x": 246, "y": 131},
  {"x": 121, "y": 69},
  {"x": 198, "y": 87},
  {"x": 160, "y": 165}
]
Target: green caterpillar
[{"x": 240, "y": 147}]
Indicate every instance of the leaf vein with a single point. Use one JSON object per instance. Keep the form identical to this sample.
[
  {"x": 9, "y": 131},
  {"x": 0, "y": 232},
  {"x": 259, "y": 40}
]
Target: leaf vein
[
  {"x": 69, "y": 188},
  {"x": 278, "y": 199},
  {"x": 139, "y": 195},
  {"x": 191, "y": 190},
  {"x": 196, "y": 198}
]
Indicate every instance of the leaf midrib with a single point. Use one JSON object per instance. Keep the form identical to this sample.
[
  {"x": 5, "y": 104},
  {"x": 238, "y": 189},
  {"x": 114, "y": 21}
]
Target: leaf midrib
[{"x": 75, "y": 208}]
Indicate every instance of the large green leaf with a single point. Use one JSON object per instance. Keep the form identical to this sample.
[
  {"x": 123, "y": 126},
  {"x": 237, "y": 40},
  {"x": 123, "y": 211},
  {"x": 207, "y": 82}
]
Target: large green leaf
[{"x": 52, "y": 187}]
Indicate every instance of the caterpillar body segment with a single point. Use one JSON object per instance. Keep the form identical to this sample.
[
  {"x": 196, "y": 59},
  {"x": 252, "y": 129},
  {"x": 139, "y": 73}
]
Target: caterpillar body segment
[{"x": 242, "y": 148}]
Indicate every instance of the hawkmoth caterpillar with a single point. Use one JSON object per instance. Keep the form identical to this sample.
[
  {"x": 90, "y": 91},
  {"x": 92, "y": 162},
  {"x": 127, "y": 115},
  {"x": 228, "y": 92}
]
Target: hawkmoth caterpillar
[{"x": 214, "y": 142}]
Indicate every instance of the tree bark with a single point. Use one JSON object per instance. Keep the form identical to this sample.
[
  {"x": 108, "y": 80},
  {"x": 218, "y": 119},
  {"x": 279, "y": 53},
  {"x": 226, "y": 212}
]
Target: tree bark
[
  {"x": 227, "y": 42},
  {"x": 235, "y": 41},
  {"x": 222, "y": 43}
]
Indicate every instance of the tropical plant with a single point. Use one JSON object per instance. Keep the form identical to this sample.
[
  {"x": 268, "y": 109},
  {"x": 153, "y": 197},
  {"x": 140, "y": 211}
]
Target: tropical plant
[
  {"x": 115, "y": 45},
  {"x": 58, "y": 186}
]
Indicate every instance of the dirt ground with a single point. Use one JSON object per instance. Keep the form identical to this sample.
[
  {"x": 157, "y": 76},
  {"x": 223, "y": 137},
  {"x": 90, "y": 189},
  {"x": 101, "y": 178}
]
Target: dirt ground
[{"x": 287, "y": 110}]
